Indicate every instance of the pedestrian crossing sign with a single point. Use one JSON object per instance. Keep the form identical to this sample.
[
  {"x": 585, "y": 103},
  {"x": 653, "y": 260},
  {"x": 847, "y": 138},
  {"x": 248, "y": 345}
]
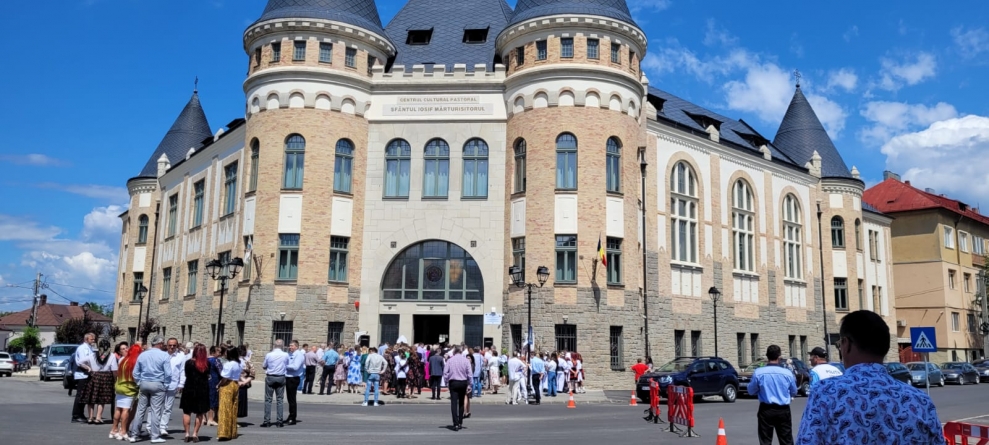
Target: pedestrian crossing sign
[{"x": 923, "y": 339}]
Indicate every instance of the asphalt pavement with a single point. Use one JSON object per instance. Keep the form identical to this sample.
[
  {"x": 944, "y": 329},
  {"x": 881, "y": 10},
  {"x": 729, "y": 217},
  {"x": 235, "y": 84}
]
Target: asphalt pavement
[{"x": 33, "y": 412}]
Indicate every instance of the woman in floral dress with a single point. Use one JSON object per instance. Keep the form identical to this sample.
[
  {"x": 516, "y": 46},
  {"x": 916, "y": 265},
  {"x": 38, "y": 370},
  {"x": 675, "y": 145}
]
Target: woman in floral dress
[{"x": 354, "y": 376}]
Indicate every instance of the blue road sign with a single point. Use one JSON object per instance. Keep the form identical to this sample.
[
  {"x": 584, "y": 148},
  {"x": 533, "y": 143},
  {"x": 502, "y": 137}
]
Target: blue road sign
[{"x": 923, "y": 339}]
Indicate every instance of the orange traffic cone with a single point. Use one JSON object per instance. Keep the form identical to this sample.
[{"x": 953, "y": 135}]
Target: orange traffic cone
[
  {"x": 632, "y": 401},
  {"x": 570, "y": 404},
  {"x": 722, "y": 437}
]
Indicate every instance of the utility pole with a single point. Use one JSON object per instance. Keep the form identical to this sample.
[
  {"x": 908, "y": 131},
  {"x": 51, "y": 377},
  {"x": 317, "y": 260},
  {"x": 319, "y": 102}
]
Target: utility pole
[
  {"x": 983, "y": 287},
  {"x": 34, "y": 307}
]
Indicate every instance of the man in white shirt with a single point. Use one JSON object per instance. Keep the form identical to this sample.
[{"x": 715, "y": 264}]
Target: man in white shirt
[
  {"x": 275, "y": 366},
  {"x": 821, "y": 370},
  {"x": 177, "y": 366},
  {"x": 83, "y": 359},
  {"x": 516, "y": 376}
]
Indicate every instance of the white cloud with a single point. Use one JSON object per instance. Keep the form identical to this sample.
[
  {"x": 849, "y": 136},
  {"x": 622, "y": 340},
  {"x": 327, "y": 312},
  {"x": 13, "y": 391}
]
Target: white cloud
[
  {"x": 888, "y": 119},
  {"x": 831, "y": 115},
  {"x": 718, "y": 36},
  {"x": 640, "y": 8},
  {"x": 102, "y": 221},
  {"x": 87, "y": 265},
  {"x": 971, "y": 42},
  {"x": 116, "y": 195},
  {"x": 20, "y": 229},
  {"x": 911, "y": 71},
  {"x": 941, "y": 157},
  {"x": 844, "y": 78},
  {"x": 33, "y": 159},
  {"x": 852, "y": 33},
  {"x": 765, "y": 92}
]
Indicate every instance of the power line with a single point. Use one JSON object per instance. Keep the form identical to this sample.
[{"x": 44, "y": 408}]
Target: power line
[
  {"x": 83, "y": 288},
  {"x": 45, "y": 286}
]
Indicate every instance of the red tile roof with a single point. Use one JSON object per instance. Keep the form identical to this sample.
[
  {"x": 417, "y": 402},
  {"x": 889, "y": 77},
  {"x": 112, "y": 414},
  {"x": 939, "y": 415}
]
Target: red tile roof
[
  {"x": 892, "y": 196},
  {"x": 51, "y": 315}
]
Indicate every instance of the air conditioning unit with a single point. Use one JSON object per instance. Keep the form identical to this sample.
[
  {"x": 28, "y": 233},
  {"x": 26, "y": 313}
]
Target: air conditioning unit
[{"x": 901, "y": 323}]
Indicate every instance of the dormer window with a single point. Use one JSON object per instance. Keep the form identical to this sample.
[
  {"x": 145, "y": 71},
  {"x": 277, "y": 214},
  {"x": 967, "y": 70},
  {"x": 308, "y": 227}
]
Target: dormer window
[
  {"x": 419, "y": 37},
  {"x": 476, "y": 35}
]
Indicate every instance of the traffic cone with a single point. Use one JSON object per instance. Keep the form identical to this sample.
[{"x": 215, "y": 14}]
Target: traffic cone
[
  {"x": 722, "y": 437},
  {"x": 570, "y": 404},
  {"x": 632, "y": 401}
]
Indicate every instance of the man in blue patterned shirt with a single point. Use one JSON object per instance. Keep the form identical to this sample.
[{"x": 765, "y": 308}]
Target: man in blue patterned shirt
[{"x": 866, "y": 405}]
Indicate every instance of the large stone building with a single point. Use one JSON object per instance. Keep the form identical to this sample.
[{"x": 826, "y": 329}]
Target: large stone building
[{"x": 384, "y": 179}]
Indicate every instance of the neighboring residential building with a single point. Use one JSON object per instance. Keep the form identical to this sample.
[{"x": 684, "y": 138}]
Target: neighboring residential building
[
  {"x": 384, "y": 179},
  {"x": 939, "y": 248},
  {"x": 50, "y": 317}
]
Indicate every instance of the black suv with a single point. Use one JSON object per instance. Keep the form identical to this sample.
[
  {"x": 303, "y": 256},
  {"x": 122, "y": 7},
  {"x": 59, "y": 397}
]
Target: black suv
[{"x": 708, "y": 376}]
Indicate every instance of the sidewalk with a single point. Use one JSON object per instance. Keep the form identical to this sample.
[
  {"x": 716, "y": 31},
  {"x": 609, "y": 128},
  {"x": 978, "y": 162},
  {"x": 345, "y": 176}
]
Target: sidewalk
[{"x": 594, "y": 397}]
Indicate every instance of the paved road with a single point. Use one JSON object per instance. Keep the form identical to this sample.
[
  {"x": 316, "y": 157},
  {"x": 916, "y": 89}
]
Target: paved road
[{"x": 33, "y": 412}]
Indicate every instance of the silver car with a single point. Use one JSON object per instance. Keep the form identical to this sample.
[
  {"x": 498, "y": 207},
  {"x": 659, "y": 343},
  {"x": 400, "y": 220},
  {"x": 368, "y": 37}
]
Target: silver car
[
  {"x": 55, "y": 360},
  {"x": 934, "y": 376}
]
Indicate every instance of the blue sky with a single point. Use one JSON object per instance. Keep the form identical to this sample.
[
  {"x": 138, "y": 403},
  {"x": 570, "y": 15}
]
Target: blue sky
[{"x": 96, "y": 83}]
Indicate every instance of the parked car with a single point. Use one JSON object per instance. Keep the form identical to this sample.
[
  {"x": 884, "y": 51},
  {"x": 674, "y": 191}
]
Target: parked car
[
  {"x": 6, "y": 364},
  {"x": 898, "y": 371},
  {"x": 21, "y": 363},
  {"x": 707, "y": 376},
  {"x": 934, "y": 375},
  {"x": 983, "y": 367},
  {"x": 54, "y": 360},
  {"x": 800, "y": 372},
  {"x": 960, "y": 373}
]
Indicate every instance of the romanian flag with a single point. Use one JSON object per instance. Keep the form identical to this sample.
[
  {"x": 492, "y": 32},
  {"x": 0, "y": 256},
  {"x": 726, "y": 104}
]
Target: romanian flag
[{"x": 601, "y": 255}]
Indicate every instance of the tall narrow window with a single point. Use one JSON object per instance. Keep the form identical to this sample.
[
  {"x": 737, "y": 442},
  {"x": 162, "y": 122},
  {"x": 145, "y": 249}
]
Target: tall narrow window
[
  {"x": 326, "y": 52},
  {"x": 142, "y": 229},
  {"x": 436, "y": 177},
  {"x": 566, "y": 162},
  {"x": 592, "y": 48},
  {"x": 696, "y": 347},
  {"x": 339, "y": 248},
  {"x": 173, "y": 214},
  {"x": 613, "y": 165},
  {"x": 371, "y": 60},
  {"x": 837, "y": 232},
  {"x": 166, "y": 283},
  {"x": 276, "y": 52},
  {"x": 518, "y": 252},
  {"x": 334, "y": 333},
  {"x": 683, "y": 217},
  {"x": 614, "y": 255},
  {"x": 841, "y": 294},
  {"x": 740, "y": 348},
  {"x": 617, "y": 348},
  {"x": 475, "y": 182},
  {"x": 257, "y": 57},
  {"x": 230, "y": 188},
  {"x": 248, "y": 258},
  {"x": 949, "y": 237},
  {"x": 962, "y": 241},
  {"x": 616, "y": 53},
  {"x": 398, "y": 159},
  {"x": 754, "y": 349},
  {"x": 873, "y": 244},
  {"x": 520, "y": 166},
  {"x": 295, "y": 156},
  {"x": 861, "y": 294},
  {"x": 350, "y": 57},
  {"x": 541, "y": 50},
  {"x": 951, "y": 279},
  {"x": 566, "y": 258},
  {"x": 281, "y": 330},
  {"x": 299, "y": 50},
  {"x": 679, "y": 347},
  {"x": 566, "y": 337},
  {"x": 743, "y": 226},
  {"x": 288, "y": 256},
  {"x": 343, "y": 166},
  {"x": 792, "y": 238},
  {"x": 138, "y": 283},
  {"x": 520, "y": 56},
  {"x": 566, "y": 47},
  {"x": 199, "y": 194},
  {"x": 192, "y": 278},
  {"x": 858, "y": 234},
  {"x": 255, "y": 156}
]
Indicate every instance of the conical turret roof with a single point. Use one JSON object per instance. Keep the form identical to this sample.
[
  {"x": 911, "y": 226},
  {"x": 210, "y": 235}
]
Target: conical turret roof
[
  {"x": 801, "y": 134},
  {"x": 616, "y": 9},
  {"x": 361, "y": 13},
  {"x": 188, "y": 131}
]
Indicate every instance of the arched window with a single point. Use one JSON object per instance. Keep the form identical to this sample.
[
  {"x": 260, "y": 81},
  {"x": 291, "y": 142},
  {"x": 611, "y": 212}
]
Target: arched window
[
  {"x": 475, "y": 182},
  {"x": 433, "y": 270},
  {"x": 520, "y": 165},
  {"x": 613, "y": 165},
  {"x": 398, "y": 160},
  {"x": 837, "y": 232},
  {"x": 295, "y": 154},
  {"x": 436, "y": 180},
  {"x": 343, "y": 166},
  {"x": 858, "y": 234},
  {"x": 566, "y": 162},
  {"x": 683, "y": 213},
  {"x": 252, "y": 183},
  {"x": 743, "y": 226},
  {"x": 142, "y": 229},
  {"x": 792, "y": 246}
]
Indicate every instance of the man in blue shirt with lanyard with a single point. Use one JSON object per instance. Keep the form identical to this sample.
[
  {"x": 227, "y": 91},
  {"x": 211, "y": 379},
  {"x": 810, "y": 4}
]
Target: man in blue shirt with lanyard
[{"x": 775, "y": 386}]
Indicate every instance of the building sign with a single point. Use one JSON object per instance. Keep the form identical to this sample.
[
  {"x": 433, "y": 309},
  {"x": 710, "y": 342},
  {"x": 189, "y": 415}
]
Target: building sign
[{"x": 439, "y": 105}]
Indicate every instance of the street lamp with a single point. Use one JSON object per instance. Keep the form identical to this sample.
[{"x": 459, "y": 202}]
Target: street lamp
[
  {"x": 518, "y": 278},
  {"x": 222, "y": 271},
  {"x": 824, "y": 304},
  {"x": 85, "y": 314},
  {"x": 141, "y": 292},
  {"x": 645, "y": 276},
  {"x": 715, "y": 298}
]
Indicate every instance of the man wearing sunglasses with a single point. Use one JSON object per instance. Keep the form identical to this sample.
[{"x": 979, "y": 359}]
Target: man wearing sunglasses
[
  {"x": 866, "y": 404},
  {"x": 177, "y": 364}
]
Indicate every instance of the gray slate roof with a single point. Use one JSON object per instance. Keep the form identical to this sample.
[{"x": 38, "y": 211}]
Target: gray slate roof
[
  {"x": 801, "y": 134},
  {"x": 448, "y": 20},
  {"x": 188, "y": 131},
  {"x": 616, "y": 9},
  {"x": 679, "y": 113},
  {"x": 361, "y": 13}
]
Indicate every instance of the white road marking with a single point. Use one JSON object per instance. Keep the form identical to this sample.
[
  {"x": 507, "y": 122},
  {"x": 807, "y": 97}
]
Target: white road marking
[{"x": 967, "y": 418}]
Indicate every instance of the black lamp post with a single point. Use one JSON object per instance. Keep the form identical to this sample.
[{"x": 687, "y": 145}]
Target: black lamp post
[
  {"x": 715, "y": 298},
  {"x": 85, "y": 314},
  {"x": 141, "y": 292},
  {"x": 518, "y": 278},
  {"x": 645, "y": 279},
  {"x": 824, "y": 304},
  {"x": 222, "y": 271}
]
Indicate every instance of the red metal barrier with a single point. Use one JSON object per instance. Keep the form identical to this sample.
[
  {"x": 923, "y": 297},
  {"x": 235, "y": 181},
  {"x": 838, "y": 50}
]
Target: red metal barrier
[
  {"x": 654, "y": 411},
  {"x": 959, "y": 434},
  {"x": 680, "y": 409}
]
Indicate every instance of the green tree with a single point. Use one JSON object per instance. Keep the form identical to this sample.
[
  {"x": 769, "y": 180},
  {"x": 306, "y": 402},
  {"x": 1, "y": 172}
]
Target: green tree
[
  {"x": 102, "y": 309},
  {"x": 73, "y": 330},
  {"x": 29, "y": 342}
]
